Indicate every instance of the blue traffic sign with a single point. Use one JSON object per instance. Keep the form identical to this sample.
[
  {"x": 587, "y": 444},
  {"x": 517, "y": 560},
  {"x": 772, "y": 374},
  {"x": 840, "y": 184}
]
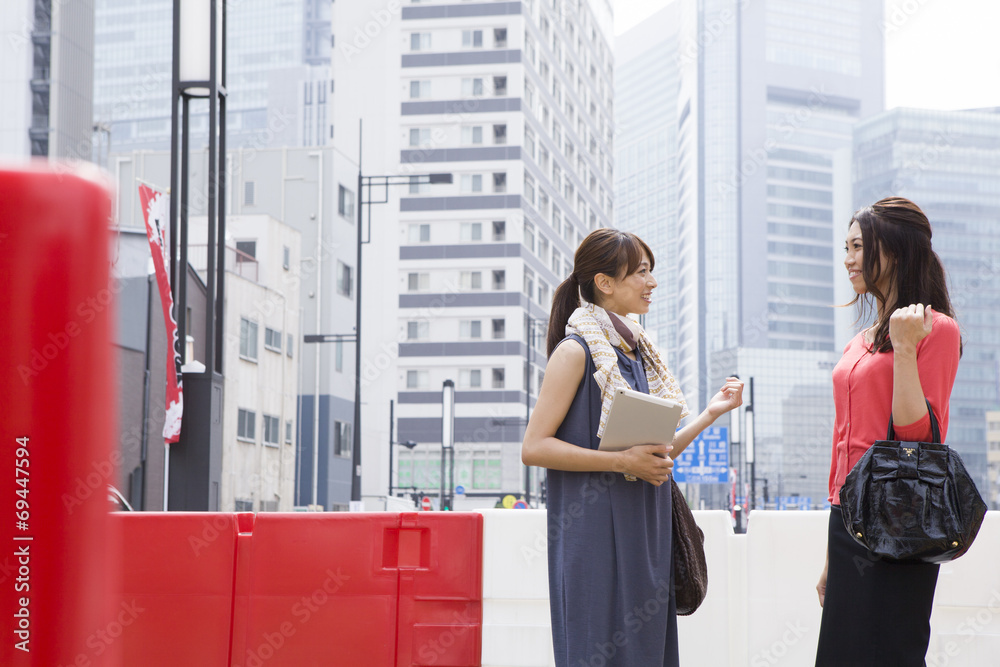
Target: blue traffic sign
[
  {"x": 706, "y": 460},
  {"x": 459, "y": 489}
]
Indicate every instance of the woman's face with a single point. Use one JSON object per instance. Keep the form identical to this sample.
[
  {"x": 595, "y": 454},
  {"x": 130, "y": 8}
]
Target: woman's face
[
  {"x": 632, "y": 293},
  {"x": 854, "y": 261}
]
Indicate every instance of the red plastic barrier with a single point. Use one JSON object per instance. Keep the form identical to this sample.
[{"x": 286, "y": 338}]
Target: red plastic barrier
[
  {"x": 178, "y": 584},
  {"x": 58, "y": 572},
  {"x": 292, "y": 590},
  {"x": 322, "y": 590},
  {"x": 440, "y": 589}
]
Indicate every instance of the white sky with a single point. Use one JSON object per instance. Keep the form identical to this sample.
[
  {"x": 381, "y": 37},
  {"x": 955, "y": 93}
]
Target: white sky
[{"x": 940, "y": 54}]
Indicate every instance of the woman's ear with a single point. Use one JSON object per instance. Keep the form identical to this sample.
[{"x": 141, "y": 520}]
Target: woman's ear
[{"x": 604, "y": 284}]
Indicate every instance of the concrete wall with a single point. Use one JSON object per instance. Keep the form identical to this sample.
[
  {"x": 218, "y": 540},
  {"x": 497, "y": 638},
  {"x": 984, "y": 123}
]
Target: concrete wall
[{"x": 761, "y": 609}]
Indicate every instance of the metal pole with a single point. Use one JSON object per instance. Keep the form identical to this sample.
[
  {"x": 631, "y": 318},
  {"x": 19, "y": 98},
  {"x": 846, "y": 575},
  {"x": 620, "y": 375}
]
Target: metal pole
[
  {"x": 319, "y": 327},
  {"x": 447, "y": 431},
  {"x": 356, "y": 450},
  {"x": 751, "y": 444},
  {"x": 392, "y": 445},
  {"x": 527, "y": 401}
]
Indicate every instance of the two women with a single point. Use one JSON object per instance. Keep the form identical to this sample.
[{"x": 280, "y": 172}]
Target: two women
[
  {"x": 609, "y": 539},
  {"x": 610, "y": 569}
]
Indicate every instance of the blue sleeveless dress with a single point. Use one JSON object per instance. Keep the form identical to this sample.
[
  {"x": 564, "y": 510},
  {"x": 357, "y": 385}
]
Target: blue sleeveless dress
[{"x": 609, "y": 540}]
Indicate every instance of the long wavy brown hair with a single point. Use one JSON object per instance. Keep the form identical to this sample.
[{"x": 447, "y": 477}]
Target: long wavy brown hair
[
  {"x": 897, "y": 228},
  {"x": 606, "y": 250}
]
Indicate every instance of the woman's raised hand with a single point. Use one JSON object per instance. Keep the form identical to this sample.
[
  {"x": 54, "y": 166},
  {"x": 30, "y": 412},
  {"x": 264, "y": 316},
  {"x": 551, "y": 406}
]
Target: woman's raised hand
[
  {"x": 729, "y": 398},
  {"x": 909, "y": 325}
]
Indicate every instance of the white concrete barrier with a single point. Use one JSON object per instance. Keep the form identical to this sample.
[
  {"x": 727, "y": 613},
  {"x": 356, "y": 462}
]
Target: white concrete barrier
[{"x": 761, "y": 609}]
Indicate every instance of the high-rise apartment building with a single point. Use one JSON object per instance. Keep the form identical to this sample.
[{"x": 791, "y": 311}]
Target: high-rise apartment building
[
  {"x": 46, "y": 76},
  {"x": 948, "y": 162},
  {"x": 515, "y": 101},
  {"x": 132, "y": 74},
  {"x": 518, "y": 107},
  {"x": 758, "y": 101}
]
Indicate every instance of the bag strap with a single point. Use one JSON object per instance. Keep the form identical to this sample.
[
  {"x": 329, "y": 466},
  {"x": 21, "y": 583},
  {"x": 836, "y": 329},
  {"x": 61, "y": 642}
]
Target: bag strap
[{"x": 935, "y": 430}]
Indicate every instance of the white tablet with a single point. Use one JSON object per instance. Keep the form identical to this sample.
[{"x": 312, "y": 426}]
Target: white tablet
[{"x": 639, "y": 419}]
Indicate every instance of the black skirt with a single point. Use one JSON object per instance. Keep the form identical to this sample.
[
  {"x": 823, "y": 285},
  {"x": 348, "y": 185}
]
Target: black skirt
[{"x": 876, "y": 613}]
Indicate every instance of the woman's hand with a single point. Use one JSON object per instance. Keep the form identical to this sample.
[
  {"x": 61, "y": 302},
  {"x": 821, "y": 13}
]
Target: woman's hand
[
  {"x": 729, "y": 398},
  {"x": 821, "y": 587},
  {"x": 910, "y": 325},
  {"x": 649, "y": 463}
]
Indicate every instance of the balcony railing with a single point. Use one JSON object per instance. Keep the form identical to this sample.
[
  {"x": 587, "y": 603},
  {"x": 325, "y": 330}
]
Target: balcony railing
[{"x": 240, "y": 263}]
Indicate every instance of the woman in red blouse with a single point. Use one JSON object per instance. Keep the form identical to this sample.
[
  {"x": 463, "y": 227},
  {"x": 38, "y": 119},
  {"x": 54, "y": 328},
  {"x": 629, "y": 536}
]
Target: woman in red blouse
[{"x": 877, "y": 612}]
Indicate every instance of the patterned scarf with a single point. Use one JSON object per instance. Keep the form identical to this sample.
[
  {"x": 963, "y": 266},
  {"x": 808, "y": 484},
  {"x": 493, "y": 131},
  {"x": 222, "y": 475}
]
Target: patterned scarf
[{"x": 603, "y": 331}]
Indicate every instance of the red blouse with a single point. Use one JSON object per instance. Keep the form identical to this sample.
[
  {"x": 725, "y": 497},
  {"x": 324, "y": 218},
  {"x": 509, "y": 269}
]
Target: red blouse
[{"x": 862, "y": 396}]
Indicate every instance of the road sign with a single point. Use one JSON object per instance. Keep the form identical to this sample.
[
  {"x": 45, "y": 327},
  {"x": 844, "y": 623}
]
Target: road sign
[
  {"x": 706, "y": 460},
  {"x": 794, "y": 502},
  {"x": 459, "y": 490},
  {"x": 508, "y": 501},
  {"x": 425, "y": 503},
  {"x": 520, "y": 505}
]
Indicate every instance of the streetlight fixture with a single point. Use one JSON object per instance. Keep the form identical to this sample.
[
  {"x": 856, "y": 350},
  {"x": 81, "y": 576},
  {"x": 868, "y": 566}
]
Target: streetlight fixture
[
  {"x": 199, "y": 71},
  {"x": 447, "y": 436},
  {"x": 366, "y": 186}
]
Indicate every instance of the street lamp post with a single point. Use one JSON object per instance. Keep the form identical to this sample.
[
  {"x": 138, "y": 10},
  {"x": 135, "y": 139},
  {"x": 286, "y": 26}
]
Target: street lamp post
[
  {"x": 447, "y": 436},
  {"x": 750, "y": 447},
  {"x": 409, "y": 444},
  {"x": 530, "y": 324},
  {"x": 366, "y": 185}
]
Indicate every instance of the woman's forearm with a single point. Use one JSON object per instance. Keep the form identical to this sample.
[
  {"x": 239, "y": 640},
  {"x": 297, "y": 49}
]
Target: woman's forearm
[
  {"x": 686, "y": 435},
  {"x": 551, "y": 452},
  {"x": 908, "y": 402}
]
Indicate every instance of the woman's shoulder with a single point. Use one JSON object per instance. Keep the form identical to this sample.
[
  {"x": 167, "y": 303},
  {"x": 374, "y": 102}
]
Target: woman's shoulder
[
  {"x": 570, "y": 351},
  {"x": 944, "y": 331}
]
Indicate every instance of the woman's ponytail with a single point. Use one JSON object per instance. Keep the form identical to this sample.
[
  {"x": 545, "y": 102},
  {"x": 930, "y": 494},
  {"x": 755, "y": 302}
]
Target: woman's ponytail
[{"x": 564, "y": 302}]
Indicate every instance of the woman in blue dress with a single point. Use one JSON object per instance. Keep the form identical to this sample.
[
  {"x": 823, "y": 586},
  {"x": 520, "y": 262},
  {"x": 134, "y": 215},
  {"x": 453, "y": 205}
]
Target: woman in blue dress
[{"x": 609, "y": 514}]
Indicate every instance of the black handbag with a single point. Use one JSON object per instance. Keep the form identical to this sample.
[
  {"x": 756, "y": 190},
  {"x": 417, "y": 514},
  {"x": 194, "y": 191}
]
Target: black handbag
[
  {"x": 912, "y": 501},
  {"x": 688, "y": 550}
]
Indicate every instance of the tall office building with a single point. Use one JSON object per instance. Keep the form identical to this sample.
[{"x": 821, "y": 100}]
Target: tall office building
[
  {"x": 132, "y": 76},
  {"x": 646, "y": 160},
  {"x": 513, "y": 100},
  {"x": 46, "y": 74},
  {"x": 948, "y": 162},
  {"x": 766, "y": 98}
]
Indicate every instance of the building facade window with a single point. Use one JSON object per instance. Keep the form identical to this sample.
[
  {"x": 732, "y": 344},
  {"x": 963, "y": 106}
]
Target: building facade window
[
  {"x": 418, "y": 282},
  {"x": 418, "y": 330},
  {"x": 420, "y": 234},
  {"x": 288, "y": 431},
  {"x": 248, "y": 339},
  {"x": 343, "y": 442},
  {"x": 472, "y": 39},
  {"x": 417, "y": 379},
  {"x": 420, "y": 41},
  {"x": 470, "y": 231},
  {"x": 499, "y": 279},
  {"x": 470, "y": 329},
  {"x": 345, "y": 280},
  {"x": 499, "y": 329},
  {"x": 271, "y": 425},
  {"x": 471, "y": 280},
  {"x": 245, "y": 425},
  {"x": 272, "y": 340},
  {"x": 345, "y": 203},
  {"x": 498, "y": 378}
]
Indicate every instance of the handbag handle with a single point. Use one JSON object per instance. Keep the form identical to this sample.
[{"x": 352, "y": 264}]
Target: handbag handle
[{"x": 935, "y": 430}]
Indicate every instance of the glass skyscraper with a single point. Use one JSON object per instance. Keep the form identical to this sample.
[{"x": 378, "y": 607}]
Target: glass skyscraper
[
  {"x": 948, "y": 162},
  {"x": 765, "y": 99},
  {"x": 132, "y": 75}
]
